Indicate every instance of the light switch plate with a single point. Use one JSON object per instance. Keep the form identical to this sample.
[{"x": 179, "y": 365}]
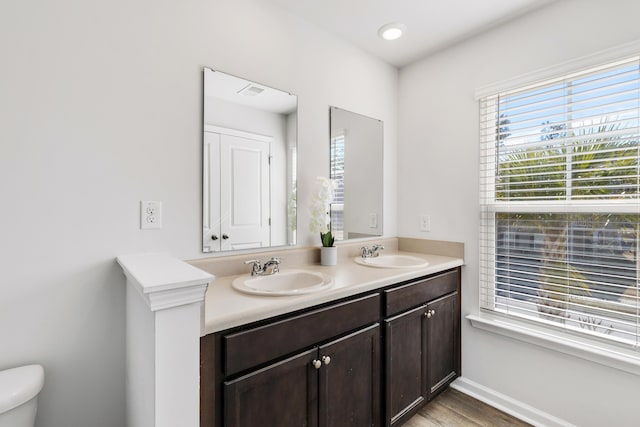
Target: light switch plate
[
  {"x": 373, "y": 220},
  {"x": 150, "y": 214},
  {"x": 425, "y": 222}
]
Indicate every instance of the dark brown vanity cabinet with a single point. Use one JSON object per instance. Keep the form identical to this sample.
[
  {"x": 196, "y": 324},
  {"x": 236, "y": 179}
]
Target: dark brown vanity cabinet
[
  {"x": 422, "y": 344},
  {"x": 349, "y": 386},
  {"x": 319, "y": 368},
  {"x": 284, "y": 393},
  {"x": 336, "y": 384},
  {"x": 406, "y": 364},
  {"x": 443, "y": 343},
  {"x": 369, "y": 360}
]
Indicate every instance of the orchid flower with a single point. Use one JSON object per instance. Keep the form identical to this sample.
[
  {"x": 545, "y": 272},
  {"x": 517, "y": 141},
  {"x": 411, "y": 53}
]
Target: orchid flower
[{"x": 320, "y": 206}]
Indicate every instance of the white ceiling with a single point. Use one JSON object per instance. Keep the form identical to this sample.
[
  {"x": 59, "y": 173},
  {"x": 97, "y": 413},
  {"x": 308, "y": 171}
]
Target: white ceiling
[
  {"x": 431, "y": 24},
  {"x": 230, "y": 88}
]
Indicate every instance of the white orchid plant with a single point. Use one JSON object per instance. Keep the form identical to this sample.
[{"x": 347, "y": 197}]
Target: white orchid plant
[{"x": 320, "y": 207}]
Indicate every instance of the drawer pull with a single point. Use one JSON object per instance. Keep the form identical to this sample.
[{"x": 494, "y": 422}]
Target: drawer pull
[{"x": 326, "y": 360}]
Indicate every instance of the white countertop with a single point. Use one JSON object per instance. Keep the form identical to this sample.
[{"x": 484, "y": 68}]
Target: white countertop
[
  {"x": 225, "y": 307},
  {"x": 164, "y": 281},
  {"x": 154, "y": 272}
]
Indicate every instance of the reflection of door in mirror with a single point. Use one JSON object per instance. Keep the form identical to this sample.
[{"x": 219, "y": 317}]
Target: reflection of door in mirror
[
  {"x": 356, "y": 147},
  {"x": 249, "y": 164},
  {"x": 238, "y": 208}
]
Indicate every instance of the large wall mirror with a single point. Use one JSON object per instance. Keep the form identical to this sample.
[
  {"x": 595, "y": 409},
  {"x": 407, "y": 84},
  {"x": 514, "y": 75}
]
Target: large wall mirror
[
  {"x": 249, "y": 164},
  {"x": 356, "y": 164}
]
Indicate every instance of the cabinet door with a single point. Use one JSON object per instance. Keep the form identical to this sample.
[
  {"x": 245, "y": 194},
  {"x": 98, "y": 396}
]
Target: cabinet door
[
  {"x": 406, "y": 368},
  {"x": 350, "y": 380},
  {"x": 443, "y": 340},
  {"x": 284, "y": 394}
]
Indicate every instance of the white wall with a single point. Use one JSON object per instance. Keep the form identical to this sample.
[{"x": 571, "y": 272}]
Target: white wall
[
  {"x": 438, "y": 154},
  {"x": 101, "y": 108}
]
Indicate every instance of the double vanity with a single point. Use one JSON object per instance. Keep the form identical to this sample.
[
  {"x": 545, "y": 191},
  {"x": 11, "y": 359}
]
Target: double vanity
[{"x": 366, "y": 342}]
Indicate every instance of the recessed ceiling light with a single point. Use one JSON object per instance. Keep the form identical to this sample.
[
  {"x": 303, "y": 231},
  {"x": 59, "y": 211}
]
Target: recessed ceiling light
[{"x": 392, "y": 31}]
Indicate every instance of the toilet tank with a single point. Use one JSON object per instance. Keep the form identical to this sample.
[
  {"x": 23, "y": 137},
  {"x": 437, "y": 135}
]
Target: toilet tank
[{"x": 19, "y": 388}]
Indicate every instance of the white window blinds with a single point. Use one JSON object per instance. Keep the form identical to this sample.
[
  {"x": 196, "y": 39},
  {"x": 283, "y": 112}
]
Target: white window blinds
[
  {"x": 560, "y": 201},
  {"x": 336, "y": 173}
]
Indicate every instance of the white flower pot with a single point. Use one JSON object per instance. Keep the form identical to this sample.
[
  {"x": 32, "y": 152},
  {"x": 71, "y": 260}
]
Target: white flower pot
[{"x": 329, "y": 255}]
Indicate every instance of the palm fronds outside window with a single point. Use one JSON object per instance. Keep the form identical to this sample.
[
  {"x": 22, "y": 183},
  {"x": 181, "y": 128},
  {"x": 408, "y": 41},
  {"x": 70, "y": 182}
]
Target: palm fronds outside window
[{"x": 560, "y": 199}]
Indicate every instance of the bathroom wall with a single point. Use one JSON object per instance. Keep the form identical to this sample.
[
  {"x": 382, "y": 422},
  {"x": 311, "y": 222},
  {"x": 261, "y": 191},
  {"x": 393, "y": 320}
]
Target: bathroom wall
[
  {"x": 438, "y": 152},
  {"x": 101, "y": 108}
]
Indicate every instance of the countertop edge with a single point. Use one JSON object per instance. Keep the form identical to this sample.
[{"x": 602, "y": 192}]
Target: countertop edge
[{"x": 155, "y": 272}]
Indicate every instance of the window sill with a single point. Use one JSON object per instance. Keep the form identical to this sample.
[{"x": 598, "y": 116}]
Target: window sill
[{"x": 592, "y": 350}]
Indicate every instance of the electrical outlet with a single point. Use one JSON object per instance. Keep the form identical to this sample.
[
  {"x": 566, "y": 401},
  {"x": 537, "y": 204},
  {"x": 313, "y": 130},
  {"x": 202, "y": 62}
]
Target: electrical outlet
[
  {"x": 425, "y": 222},
  {"x": 150, "y": 214}
]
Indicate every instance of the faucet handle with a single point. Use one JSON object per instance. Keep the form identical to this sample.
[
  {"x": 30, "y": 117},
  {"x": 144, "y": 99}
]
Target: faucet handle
[
  {"x": 257, "y": 266},
  {"x": 273, "y": 263},
  {"x": 375, "y": 249},
  {"x": 365, "y": 252}
]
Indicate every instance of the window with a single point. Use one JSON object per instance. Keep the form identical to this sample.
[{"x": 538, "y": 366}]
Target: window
[
  {"x": 560, "y": 202},
  {"x": 337, "y": 174}
]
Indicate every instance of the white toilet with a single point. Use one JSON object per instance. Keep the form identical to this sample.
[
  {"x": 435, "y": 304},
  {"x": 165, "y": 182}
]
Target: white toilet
[{"x": 19, "y": 388}]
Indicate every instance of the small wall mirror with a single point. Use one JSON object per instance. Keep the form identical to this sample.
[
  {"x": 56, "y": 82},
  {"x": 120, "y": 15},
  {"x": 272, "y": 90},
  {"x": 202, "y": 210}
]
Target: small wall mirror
[
  {"x": 249, "y": 164},
  {"x": 356, "y": 164}
]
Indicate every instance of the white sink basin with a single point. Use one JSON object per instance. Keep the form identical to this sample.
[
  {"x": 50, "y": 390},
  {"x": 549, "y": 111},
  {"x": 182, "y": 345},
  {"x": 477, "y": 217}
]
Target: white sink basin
[
  {"x": 288, "y": 282},
  {"x": 392, "y": 261}
]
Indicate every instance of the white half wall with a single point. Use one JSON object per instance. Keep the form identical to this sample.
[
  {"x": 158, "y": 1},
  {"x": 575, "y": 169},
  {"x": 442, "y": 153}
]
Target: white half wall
[
  {"x": 101, "y": 108},
  {"x": 438, "y": 154}
]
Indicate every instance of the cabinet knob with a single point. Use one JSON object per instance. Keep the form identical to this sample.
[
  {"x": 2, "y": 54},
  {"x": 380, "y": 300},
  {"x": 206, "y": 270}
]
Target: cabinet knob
[
  {"x": 316, "y": 363},
  {"x": 214, "y": 237},
  {"x": 326, "y": 360},
  {"x": 433, "y": 312},
  {"x": 428, "y": 314},
  {"x": 225, "y": 237}
]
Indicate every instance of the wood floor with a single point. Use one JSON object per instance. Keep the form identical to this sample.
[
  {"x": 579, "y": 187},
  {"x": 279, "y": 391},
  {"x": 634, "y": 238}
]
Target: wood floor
[{"x": 452, "y": 408}]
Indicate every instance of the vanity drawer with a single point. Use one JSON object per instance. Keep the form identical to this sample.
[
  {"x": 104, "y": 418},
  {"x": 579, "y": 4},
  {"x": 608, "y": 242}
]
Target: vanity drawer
[
  {"x": 413, "y": 294},
  {"x": 246, "y": 349}
]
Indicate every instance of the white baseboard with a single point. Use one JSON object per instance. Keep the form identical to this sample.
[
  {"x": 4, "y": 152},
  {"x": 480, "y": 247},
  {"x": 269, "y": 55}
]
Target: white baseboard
[{"x": 507, "y": 404}]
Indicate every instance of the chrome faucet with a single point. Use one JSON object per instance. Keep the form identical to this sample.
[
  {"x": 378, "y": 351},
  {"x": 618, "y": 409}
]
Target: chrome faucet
[
  {"x": 270, "y": 267},
  {"x": 370, "y": 252},
  {"x": 375, "y": 249},
  {"x": 273, "y": 264}
]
